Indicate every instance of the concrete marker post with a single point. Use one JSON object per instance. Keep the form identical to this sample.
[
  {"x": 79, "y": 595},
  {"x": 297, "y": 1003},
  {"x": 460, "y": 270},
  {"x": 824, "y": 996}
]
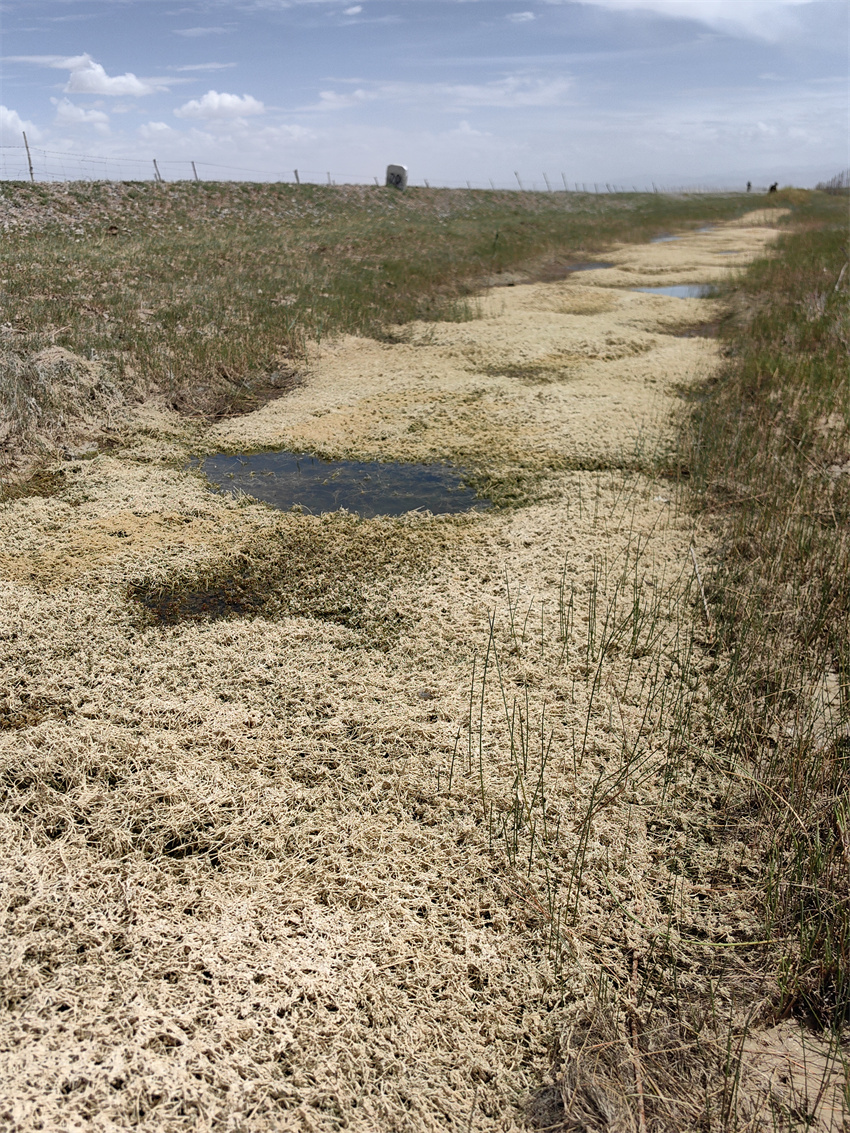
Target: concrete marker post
[{"x": 397, "y": 177}]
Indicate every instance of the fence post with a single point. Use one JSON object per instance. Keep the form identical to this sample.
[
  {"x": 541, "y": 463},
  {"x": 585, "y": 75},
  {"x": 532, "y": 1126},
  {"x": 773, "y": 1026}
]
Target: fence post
[
  {"x": 518, "y": 182},
  {"x": 194, "y": 170},
  {"x": 297, "y": 178},
  {"x": 29, "y": 159},
  {"x": 548, "y": 186},
  {"x": 157, "y": 174},
  {"x": 329, "y": 179}
]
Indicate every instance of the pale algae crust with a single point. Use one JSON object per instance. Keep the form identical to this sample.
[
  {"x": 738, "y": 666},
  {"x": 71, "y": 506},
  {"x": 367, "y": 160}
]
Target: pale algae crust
[{"x": 240, "y": 893}]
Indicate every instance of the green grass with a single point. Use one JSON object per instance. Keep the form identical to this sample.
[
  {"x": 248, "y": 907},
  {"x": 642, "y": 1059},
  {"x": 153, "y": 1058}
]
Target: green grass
[
  {"x": 211, "y": 292},
  {"x": 769, "y": 456}
]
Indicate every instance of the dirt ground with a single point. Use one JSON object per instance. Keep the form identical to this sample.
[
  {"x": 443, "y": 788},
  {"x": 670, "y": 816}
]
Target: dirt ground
[{"x": 366, "y": 852}]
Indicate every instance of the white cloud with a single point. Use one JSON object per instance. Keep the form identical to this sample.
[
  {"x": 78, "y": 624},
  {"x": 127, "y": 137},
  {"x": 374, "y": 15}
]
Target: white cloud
[
  {"x": 88, "y": 77},
  {"x": 520, "y": 17},
  {"x": 512, "y": 92},
  {"x": 215, "y": 105},
  {"x": 464, "y": 130},
  {"x": 332, "y": 100},
  {"x": 68, "y": 114},
  {"x": 202, "y": 67},
  {"x": 355, "y": 11},
  {"x": 198, "y": 33},
  {"x": 60, "y": 62},
  {"x": 765, "y": 19},
  {"x": 154, "y": 131},
  {"x": 12, "y": 124},
  {"x": 509, "y": 93}
]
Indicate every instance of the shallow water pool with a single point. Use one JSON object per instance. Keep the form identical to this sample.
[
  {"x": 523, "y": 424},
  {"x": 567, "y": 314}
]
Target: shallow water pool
[{"x": 369, "y": 488}]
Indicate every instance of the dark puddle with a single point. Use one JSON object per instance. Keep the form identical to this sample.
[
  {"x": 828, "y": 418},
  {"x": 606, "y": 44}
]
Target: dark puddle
[
  {"x": 680, "y": 291},
  {"x": 288, "y": 479}
]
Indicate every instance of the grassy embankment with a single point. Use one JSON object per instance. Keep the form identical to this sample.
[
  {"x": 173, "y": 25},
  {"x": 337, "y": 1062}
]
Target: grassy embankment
[
  {"x": 770, "y": 465},
  {"x": 210, "y": 293}
]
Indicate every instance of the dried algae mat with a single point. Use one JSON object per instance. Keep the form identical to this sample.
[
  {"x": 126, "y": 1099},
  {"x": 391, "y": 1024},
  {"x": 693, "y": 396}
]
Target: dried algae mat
[{"x": 313, "y": 823}]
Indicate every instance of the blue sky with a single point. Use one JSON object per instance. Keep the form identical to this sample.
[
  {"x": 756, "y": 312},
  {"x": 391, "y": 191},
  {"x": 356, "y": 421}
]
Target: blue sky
[{"x": 620, "y": 91}]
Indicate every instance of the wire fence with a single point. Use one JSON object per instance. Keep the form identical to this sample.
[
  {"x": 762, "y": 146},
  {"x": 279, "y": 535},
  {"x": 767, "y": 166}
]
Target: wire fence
[{"x": 30, "y": 163}]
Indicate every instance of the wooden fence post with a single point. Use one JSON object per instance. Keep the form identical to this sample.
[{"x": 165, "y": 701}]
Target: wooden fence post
[{"x": 29, "y": 159}]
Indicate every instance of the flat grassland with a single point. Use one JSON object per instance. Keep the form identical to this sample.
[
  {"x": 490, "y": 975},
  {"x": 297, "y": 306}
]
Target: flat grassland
[{"x": 532, "y": 817}]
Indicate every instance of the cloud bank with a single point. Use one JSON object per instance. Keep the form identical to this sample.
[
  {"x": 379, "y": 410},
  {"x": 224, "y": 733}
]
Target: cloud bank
[{"x": 88, "y": 77}]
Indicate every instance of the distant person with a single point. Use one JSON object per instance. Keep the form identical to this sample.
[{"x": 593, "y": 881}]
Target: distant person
[
  {"x": 749, "y": 186},
  {"x": 773, "y": 188}
]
